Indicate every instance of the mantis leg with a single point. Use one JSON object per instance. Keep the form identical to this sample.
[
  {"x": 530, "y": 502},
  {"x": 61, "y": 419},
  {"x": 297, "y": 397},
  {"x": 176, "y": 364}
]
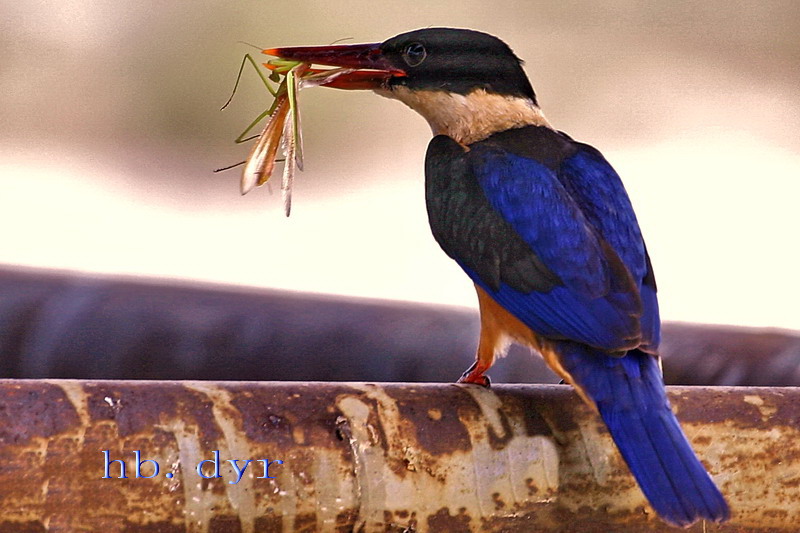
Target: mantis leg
[{"x": 248, "y": 58}]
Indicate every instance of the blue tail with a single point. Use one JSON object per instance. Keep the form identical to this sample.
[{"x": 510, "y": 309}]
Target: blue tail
[{"x": 630, "y": 395}]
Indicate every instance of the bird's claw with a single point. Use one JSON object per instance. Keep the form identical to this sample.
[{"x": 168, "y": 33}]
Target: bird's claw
[{"x": 475, "y": 377}]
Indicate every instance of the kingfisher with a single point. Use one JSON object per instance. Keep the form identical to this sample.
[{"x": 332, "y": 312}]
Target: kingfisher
[{"x": 543, "y": 226}]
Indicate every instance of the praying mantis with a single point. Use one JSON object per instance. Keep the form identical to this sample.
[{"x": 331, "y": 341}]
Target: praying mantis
[{"x": 282, "y": 130}]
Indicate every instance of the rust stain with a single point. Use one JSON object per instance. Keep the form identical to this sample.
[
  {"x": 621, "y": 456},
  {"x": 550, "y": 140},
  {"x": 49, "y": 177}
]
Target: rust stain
[
  {"x": 442, "y": 520},
  {"x": 153, "y": 527},
  {"x": 526, "y": 405},
  {"x": 375, "y": 421},
  {"x": 305, "y": 523},
  {"x": 269, "y": 523},
  {"x": 441, "y": 436},
  {"x": 749, "y": 407},
  {"x": 30, "y": 409},
  {"x": 225, "y": 524},
  {"x": 22, "y": 527},
  {"x": 135, "y": 409},
  {"x": 345, "y": 520},
  {"x": 270, "y": 414},
  {"x": 532, "y": 488},
  {"x": 498, "y": 501},
  {"x": 499, "y": 440}
]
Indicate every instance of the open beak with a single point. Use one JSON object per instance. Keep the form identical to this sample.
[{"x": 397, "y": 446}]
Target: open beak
[{"x": 371, "y": 69}]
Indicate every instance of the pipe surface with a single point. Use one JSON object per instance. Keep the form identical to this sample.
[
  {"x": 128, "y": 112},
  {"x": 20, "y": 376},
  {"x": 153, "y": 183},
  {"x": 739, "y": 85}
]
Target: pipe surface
[{"x": 367, "y": 457}]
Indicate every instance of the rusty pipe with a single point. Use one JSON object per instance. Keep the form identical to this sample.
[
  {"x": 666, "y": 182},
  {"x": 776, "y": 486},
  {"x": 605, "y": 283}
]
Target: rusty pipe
[{"x": 382, "y": 457}]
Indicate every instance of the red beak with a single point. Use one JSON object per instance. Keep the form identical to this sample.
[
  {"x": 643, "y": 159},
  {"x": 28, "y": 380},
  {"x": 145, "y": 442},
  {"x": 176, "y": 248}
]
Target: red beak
[{"x": 372, "y": 67}]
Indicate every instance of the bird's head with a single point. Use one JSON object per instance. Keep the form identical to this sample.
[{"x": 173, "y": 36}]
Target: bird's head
[{"x": 465, "y": 83}]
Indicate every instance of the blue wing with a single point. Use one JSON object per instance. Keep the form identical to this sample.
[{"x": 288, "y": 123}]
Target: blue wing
[
  {"x": 568, "y": 207},
  {"x": 596, "y": 186}
]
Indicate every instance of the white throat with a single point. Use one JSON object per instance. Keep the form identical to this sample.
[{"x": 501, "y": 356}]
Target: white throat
[{"x": 472, "y": 117}]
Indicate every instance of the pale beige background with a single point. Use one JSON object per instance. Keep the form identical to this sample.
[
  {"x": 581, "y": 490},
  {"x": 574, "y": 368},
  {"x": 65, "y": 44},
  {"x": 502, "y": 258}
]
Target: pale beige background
[{"x": 110, "y": 126}]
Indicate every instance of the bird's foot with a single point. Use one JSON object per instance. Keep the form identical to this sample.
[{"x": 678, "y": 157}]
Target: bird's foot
[{"x": 475, "y": 375}]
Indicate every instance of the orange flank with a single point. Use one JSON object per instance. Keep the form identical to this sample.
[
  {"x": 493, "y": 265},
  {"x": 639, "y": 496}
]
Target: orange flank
[{"x": 499, "y": 328}]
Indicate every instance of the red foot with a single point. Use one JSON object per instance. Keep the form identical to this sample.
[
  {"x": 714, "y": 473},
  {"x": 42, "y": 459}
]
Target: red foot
[{"x": 475, "y": 375}]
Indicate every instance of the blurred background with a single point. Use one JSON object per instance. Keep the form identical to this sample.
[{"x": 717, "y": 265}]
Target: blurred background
[{"x": 111, "y": 128}]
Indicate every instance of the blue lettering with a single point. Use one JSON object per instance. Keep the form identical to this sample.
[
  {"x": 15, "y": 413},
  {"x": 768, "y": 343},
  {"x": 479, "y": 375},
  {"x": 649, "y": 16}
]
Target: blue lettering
[
  {"x": 267, "y": 464},
  {"x": 108, "y": 464},
  {"x": 214, "y": 461},
  {"x": 138, "y": 455},
  {"x": 239, "y": 473}
]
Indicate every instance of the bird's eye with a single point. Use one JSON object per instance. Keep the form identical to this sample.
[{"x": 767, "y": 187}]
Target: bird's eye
[{"x": 414, "y": 54}]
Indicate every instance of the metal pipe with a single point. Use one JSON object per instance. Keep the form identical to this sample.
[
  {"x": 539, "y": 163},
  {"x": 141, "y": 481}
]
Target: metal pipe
[{"x": 367, "y": 457}]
